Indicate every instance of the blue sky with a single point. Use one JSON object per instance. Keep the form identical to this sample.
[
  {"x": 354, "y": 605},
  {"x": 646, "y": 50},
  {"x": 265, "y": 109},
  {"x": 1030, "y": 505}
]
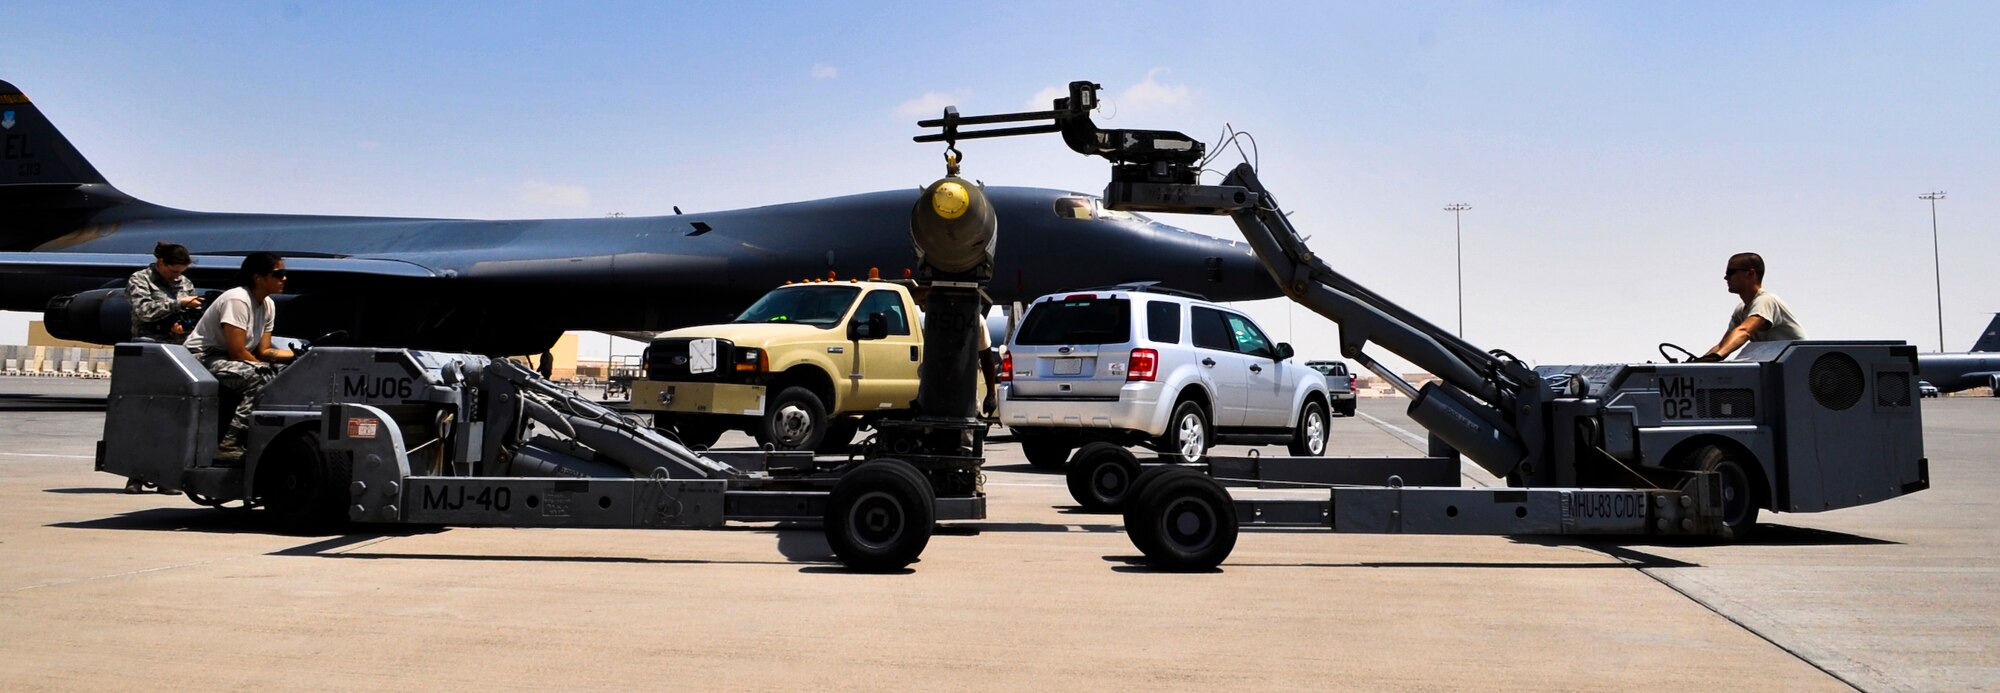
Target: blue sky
[{"x": 1614, "y": 154}]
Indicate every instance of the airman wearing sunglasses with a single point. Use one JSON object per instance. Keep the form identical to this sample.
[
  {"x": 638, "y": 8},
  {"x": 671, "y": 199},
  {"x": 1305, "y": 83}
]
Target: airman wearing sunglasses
[
  {"x": 1762, "y": 317},
  {"x": 233, "y": 339}
]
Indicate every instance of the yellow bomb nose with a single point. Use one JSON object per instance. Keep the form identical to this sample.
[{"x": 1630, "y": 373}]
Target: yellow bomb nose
[{"x": 950, "y": 200}]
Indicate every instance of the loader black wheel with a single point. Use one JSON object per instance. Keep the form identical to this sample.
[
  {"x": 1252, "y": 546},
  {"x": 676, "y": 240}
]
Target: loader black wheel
[
  {"x": 1741, "y": 488},
  {"x": 1309, "y": 438},
  {"x": 1100, "y": 475},
  {"x": 880, "y": 515},
  {"x": 794, "y": 420},
  {"x": 1135, "y": 504},
  {"x": 1045, "y": 451},
  {"x": 1183, "y": 522},
  {"x": 302, "y": 490}
]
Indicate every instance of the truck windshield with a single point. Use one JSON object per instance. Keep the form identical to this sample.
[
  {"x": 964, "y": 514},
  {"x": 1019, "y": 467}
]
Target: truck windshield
[{"x": 808, "y": 304}]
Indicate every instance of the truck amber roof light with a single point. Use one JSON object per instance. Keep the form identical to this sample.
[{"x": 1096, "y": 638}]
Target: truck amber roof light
[{"x": 874, "y": 274}]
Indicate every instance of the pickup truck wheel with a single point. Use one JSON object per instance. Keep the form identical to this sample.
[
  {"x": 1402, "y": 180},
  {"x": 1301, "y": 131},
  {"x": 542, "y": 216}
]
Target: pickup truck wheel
[
  {"x": 880, "y": 516},
  {"x": 1309, "y": 439},
  {"x": 1100, "y": 476},
  {"x": 1045, "y": 452},
  {"x": 1344, "y": 407},
  {"x": 1188, "y": 436},
  {"x": 794, "y": 420},
  {"x": 302, "y": 490}
]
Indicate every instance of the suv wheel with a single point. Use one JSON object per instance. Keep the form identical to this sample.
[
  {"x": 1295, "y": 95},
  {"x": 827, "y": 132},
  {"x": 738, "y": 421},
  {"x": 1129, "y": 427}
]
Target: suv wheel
[
  {"x": 1045, "y": 452},
  {"x": 795, "y": 420},
  {"x": 1188, "y": 436},
  {"x": 1309, "y": 439}
]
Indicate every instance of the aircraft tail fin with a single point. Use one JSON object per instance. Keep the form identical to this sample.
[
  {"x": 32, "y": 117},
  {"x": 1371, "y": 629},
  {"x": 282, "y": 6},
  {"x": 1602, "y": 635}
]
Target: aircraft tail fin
[
  {"x": 32, "y": 152},
  {"x": 1990, "y": 339},
  {"x": 45, "y": 184}
]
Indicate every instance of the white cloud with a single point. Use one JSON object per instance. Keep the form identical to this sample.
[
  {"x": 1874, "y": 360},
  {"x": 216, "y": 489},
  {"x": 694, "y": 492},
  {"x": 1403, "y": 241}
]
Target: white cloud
[
  {"x": 932, "y": 103},
  {"x": 1046, "y": 98},
  {"x": 825, "y": 72},
  {"x": 1153, "y": 94},
  {"x": 542, "y": 194}
]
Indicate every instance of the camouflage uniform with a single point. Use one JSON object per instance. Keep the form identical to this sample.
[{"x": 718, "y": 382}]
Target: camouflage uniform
[
  {"x": 239, "y": 376},
  {"x": 156, "y": 304}
]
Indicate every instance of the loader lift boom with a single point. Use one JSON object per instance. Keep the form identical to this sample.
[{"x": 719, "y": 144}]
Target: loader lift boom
[{"x": 1490, "y": 406}]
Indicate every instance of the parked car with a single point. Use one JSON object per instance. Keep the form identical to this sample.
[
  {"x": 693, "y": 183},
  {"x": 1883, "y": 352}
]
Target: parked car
[
  {"x": 1926, "y": 389},
  {"x": 1137, "y": 365},
  {"x": 1339, "y": 385}
]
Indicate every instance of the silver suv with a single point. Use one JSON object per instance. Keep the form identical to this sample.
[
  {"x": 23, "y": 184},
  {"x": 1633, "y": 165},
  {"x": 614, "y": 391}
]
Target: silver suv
[{"x": 1135, "y": 364}]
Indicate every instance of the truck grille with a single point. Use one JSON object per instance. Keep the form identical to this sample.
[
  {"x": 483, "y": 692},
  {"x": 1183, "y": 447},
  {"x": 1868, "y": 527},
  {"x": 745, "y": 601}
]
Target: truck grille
[{"x": 667, "y": 359}]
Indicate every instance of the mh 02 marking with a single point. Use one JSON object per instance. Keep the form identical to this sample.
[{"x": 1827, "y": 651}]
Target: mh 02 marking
[{"x": 1677, "y": 397}]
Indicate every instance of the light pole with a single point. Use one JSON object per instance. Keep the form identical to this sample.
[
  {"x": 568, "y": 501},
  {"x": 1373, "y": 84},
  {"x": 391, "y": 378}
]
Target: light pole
[
  {"x": 1458, "y": 242},
  {"x": 1937, "y": 271}
]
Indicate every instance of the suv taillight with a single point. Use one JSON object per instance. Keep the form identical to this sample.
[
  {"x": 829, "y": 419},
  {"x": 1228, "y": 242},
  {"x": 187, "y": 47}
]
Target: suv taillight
[
  {"x": 1144, "y": 366},
  {"x": 1007, "y": 367}
]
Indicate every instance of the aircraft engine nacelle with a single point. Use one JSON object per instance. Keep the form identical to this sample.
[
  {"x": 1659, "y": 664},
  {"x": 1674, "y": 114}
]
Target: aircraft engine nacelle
[
  {"x": 98, "y": 316},
  {"x": 955, "y": 230}
]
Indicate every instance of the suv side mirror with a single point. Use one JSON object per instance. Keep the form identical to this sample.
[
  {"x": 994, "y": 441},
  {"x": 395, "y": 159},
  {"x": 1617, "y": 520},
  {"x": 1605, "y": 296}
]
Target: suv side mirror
[
  {"x": 875, "y": 326},
  {"x": 1284, "y": 351}
]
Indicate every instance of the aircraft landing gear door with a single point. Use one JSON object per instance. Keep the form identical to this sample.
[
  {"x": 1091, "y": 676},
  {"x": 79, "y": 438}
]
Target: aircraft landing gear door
[
  {"x": 891, "y": 361},
  {"x": 1227, "y": 369}
]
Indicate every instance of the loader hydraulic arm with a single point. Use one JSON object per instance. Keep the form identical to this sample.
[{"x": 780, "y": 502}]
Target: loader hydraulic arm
[{"x": 1492, "y": 406}]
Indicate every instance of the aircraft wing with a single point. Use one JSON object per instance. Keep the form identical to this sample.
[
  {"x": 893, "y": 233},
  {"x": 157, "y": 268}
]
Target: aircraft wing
[{"x": 208, "y": 270}]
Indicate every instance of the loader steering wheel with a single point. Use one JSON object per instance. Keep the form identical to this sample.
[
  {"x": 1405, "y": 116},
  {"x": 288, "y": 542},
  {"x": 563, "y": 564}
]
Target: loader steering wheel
[{"x": 1686, "y": 356}]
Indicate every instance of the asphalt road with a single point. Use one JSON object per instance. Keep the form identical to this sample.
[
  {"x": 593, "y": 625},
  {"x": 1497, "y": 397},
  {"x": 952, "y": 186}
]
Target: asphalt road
[{"x": 103, "y": 591}]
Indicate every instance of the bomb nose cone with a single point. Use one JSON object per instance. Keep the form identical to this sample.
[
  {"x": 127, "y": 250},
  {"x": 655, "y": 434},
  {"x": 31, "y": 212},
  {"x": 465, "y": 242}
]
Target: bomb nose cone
[{"x": 954, "y": 228}]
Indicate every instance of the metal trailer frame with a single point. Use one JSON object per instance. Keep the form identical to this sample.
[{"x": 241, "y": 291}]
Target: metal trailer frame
[{"x": 397, "y": 436}]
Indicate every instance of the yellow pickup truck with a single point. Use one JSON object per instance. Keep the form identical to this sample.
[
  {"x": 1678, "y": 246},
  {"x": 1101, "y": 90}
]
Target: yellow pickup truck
[{"x": 803, "y": 368}]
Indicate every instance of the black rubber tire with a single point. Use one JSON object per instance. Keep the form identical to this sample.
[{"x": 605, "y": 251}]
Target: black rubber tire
[
  {"x": 1044, "y": 451},
  {"x": 839, "y": 436},
  {"x": 1100, "y": 475},
  {"x": 303, "y": 491},
  {"x": 880, "y": 516},
  {"x": 793, "y": 420},
  {"x": 1135, "y": 510},
  {"x": 1188, "y": 421},
  {"x": 1183, "y": 523},
  {"x": 695, "y": 432},
  {"x": 1313, "y": 429},
  {"x": 1741, "y": 490},
  {"x": 1344, "y": 407}
]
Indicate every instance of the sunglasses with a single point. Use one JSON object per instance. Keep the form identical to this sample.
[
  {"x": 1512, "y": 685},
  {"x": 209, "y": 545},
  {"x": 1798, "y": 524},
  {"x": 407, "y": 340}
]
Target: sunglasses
[
  {"x": 1734, "y": 270},
  {"x": 277, "y": 274}
]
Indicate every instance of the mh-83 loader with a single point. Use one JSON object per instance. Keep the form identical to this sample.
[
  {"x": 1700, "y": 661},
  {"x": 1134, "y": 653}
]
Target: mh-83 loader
[{"x": 1674, "y": 448}]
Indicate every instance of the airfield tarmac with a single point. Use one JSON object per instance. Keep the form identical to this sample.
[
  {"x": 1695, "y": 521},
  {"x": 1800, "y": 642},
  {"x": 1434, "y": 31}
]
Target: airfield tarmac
[{"x": 105, "y": 591}]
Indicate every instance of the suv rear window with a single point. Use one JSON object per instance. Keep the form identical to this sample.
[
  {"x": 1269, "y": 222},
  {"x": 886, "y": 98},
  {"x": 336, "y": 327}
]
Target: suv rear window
[{"x": 1078, "y": 321}]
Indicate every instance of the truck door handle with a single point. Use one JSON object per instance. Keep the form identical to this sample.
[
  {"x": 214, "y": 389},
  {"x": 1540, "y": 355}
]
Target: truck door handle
[
  {"x": 1254, "y": 368},
  {"x": 913, "y": 354},
  {"x": 1208, "y": 362}
]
